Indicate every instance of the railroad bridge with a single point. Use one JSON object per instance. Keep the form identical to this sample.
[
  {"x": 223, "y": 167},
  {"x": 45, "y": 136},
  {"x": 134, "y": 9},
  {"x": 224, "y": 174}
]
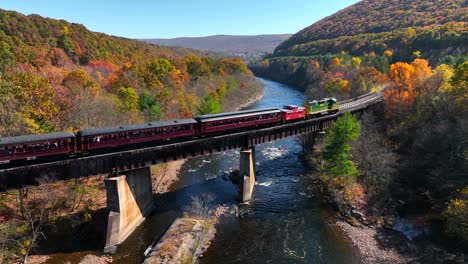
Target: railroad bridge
[{"x": 129, "y": 196}]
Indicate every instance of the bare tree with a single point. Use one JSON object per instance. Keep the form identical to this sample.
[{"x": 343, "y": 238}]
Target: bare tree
[
  {"x": 158, "y": 174},
  {"x": 200, "y": 206},
  {"x": 37, "y": 208},
  {"x": 376, "y": 159}
]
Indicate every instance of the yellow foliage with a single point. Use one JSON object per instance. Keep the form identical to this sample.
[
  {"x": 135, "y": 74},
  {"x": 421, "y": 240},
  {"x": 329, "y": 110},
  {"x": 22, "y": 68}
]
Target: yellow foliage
[
  {"x": 355, "y": 62},
  {"x": 456, "y": 216},
  {"x": 316, "y": 64},
  {"x": 443, "y": 73},
  {"x": 464, "y": 191},
  {"x": 388, "y": 53},
  {"x": 66, "y": 30},
  {"x": 417, "y": 54},
  {"x": 27, "y": 243},
  {"x": 338, "y": 85},
  {"x": 32, "y": 126}
]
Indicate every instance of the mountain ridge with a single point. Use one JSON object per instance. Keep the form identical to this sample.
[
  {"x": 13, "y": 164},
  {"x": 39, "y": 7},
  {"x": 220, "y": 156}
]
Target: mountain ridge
[
  {"x": 370, "y": 17},
  {"x": 230, "y": 44}
]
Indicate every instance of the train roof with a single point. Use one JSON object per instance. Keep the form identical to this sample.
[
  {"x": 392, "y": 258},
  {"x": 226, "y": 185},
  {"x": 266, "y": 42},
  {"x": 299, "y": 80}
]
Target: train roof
[
  {"x": 324, "y": 99},
  {"x": 35, "y": 138},
  {"x": 107, "y": 130},
  {"x": 214, "y": 117}
]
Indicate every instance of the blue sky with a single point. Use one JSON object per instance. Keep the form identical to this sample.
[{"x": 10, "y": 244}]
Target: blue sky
[{"x": 183, "y": 18}]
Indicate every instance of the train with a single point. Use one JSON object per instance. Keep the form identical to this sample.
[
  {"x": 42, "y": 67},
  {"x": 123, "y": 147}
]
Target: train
[{"x": 98, "y": 140}]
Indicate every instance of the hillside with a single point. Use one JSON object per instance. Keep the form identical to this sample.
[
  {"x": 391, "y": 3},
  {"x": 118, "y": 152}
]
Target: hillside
[
  {"x": 232, "y": 45},
  {"x": 375, "y": 34},
  {"x": 56, "y": 75},
  {"x": 368, "y": 20}
]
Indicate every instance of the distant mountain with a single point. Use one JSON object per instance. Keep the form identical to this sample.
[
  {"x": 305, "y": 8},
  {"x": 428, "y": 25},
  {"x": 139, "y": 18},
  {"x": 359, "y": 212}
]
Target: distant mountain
[{"x": 233, "y": 45}]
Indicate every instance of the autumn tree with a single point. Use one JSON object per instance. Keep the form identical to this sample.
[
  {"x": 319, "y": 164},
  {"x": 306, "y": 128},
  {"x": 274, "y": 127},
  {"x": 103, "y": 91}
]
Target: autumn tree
[
  {"x": 402, "y": 92},
  {"x": 160, "y": 68},
  {"x": 35, "y": 95},
  {"x": 197, "y": 68},
  {"x": 388, "y": 53},
  {"x": 440, "y": 79},
  {"x": 456, "y": 217},
  {"x": 335, "y": 64},
  {"x": 355, "y": 62},
  {"x": 367, "y": 79},
  {"x": 422, "y": 71},
  {"x": 79, "y": 80},
  {"x": 129, "y": 99},
  {"x": 338, "y": 85}
]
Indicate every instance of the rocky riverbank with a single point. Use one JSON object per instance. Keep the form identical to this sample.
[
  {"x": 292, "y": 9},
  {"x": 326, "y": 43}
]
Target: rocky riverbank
[
  {"x": 364, "y": 239},
  {"x": 185, "y": 240},
  {"x": 376, "y": 238}
]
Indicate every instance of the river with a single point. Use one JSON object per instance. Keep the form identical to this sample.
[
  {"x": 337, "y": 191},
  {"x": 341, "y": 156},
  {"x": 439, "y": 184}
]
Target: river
[{"x": 284, "y": 222}]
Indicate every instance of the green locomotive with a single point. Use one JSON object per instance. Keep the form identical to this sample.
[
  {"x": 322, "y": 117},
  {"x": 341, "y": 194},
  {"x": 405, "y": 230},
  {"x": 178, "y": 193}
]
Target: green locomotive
[{"x": 320, "y": 107}]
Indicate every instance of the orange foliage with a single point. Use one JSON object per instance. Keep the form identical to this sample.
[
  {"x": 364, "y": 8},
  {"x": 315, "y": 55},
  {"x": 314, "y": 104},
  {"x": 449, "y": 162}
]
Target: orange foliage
[
  {"x": 404, "y": 78},
  {"x": 422, "y": 71},
  {"x": 334, "y": 64}
]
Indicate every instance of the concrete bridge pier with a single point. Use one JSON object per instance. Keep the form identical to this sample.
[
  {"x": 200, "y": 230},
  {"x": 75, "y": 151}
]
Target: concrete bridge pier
[
  {"x": 129, "y": 201},
  {"x": 247, "y": 174}
]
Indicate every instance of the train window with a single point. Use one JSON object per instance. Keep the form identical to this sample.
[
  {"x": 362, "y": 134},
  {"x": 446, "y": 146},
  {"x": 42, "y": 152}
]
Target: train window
[{"x": 5, "y": 151}]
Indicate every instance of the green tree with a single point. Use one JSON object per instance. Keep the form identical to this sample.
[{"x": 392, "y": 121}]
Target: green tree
[
  {"x": 7, "y": 57},
  {"x": 161, "y": 67},
  {"x": 129, "y": 99},
  {"x": 150, "y": 107},
  {"x": 209, "y": 106},
  {"x": 337, "y": 150}
]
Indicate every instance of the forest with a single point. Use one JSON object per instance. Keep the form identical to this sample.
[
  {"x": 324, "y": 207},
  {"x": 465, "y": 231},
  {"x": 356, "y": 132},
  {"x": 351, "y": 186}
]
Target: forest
[
  {"x": 407, "y": 158},
  {"x": 59, "y": 76},
  {"x": 381, "y": 25}
]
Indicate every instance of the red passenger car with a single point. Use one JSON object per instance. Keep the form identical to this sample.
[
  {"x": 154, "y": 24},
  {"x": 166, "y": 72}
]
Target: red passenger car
[
  {"x": 292, "y": 112},
  {"x": 237, "y": 120},
  {"x": 34, "y": 146},
  {"x": 99, "y": 138}
]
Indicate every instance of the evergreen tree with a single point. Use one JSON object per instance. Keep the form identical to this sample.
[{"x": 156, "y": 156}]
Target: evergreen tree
[{"x": 338, "y": 163}]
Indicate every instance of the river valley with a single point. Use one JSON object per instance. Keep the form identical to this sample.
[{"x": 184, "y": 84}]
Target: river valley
[{"x": 284, "y": 223}]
